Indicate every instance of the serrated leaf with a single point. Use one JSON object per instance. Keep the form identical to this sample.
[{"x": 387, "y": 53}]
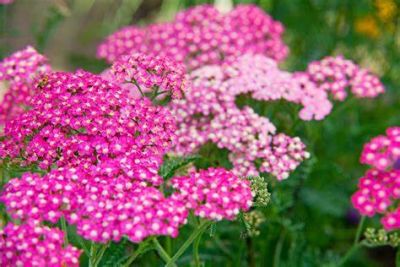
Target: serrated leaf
[{"x": 172, "y": 164}]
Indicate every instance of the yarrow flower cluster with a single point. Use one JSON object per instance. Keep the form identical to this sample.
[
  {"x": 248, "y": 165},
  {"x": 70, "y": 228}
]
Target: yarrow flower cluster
[
  {"x": 383, "y": 151},
  {"x": 33, "y": 245},
  {"x": 209, "y": 113},
  {"x": 379, "y": 189},
  {"x": 102, "y": 150},
  {"x": 336, "y": 74},
  {"x": 102, "y": 207},
  {"x": 80, "y": 120},
  {"x": 6, "y": 2},
  {"x": 155, "y": 75},
  {"x": 18, "y": 72},
  {"x": 201, "y": 36},
  {"x": 214, "y": 193}
]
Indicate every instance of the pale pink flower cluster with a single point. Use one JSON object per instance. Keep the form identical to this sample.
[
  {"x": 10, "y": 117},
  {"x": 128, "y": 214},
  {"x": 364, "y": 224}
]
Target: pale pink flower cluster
[
  {"x": 379, "y": 190},
  {"x": 337, "y": 75},
  {"x": 214, "y": 193},
  {"x": 33, "y": 245},
  {"x": 154, "y": 75},
  {"x": 209, "y": 113},
  {"x": 201, "y": 36},
  {"x": 6, "y": 2},
  {"x": 261, "y": 77},
  {"x": 18, "y": 72}
]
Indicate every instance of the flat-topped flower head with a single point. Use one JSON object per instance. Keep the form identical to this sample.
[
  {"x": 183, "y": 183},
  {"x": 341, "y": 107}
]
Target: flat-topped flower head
[
  {"x": 33, "y": 245},
  {"x": 18, "y": 72},
  {"x": 214, "y": 193},
  {"x": 383, "y": 151},
  {"x": 378, "y": 192},
  {"x": 155, "y": 76},
  {"x": 209, "y": 114},
  {"x": 337, "y": 74},
  {"x": 102, "y": 207},
  {"x": 201, "y": 35},
  {"x": 379, "y": 189},
  {"x": 79, "y": 119}
]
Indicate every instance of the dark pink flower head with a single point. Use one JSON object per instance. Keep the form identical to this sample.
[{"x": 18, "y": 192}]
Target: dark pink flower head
[
  {"x": 202, "y": 35},
  {"x": 33, "y": 245},
  {"x": 382, "y": 152},
  {"x": 337, "y": 74},
  {"x": 18, "y": 71},
  {"x": 78, "y": 119},
  {"x": 102, "y": 207},
  {"x": 379, "y": 189},
  {"x": 378, "y": 193},
  {"x": 214, "y": 193},
  {"x": 153, "y": 75}
]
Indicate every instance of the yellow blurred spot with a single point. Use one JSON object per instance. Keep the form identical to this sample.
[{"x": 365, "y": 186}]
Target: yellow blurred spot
[
  {"x": 386, "y": 10},
  {"x": 367, "y": 26}
]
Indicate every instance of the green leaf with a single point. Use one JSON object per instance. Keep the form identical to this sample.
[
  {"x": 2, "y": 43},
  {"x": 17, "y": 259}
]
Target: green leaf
[{"x": 172, "y": 164}]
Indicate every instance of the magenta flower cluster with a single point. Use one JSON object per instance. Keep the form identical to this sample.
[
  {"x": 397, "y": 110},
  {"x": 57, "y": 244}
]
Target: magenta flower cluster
[
  {"x": 34, "y": 245},
  {"x": 18, "y": 71},
  {"x": 103, "y": 207},
  {"x": 337, "y": 74},
  {"x": 214, "y": 193},
  {"x": 81, "y": 120},
  {"x": 154, "y": 75},
  {"x": 202, "y": 36},
  {"x": 379, "y": 189}
]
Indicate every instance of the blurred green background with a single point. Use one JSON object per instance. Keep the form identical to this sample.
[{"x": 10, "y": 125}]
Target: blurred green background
[{"x": 310, "y": 221}]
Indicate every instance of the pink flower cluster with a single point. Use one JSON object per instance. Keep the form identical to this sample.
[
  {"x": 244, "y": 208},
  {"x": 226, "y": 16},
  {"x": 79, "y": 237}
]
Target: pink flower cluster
[
  {"x": 150, "y": 74},
  {"x": 104, "y": 207},
  {"x": 102, "y": 150},
  {"x": 6, "y": 2},
  {"x": 379, "y": 189},
  {"x": 18, "y": 71},
  {"x": 209, "y": 113},
  {"x": 80, "y": 120},
  {"x": 336, "y": 74},
  {"x": 261, "y": 77},
  {"x": 33, "y": 245},
  {"x": 201, "y": 36},
  {"x": 383, "y": 151},
  {"x": 214, "y": 193}
]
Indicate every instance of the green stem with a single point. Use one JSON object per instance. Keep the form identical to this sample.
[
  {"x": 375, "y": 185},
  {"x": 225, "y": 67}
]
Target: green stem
[
  {"x": 163, "y": 254},
  {"x": 137, "y": 252},
  {"x": 99, "y": 255},
  {"x": 138, "y": 87},
  {"x": 359, "y": 230},
  {"x": 349, "y": 253},
  {"x": 278, "y": 249},
  {"x": 196, "y": 256},
  {"x": 356, "y": 244},
  {"x": 92, "y": 255},
  {"x": 65, "y": 230},
  {"x": 200, "y": 229}
]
